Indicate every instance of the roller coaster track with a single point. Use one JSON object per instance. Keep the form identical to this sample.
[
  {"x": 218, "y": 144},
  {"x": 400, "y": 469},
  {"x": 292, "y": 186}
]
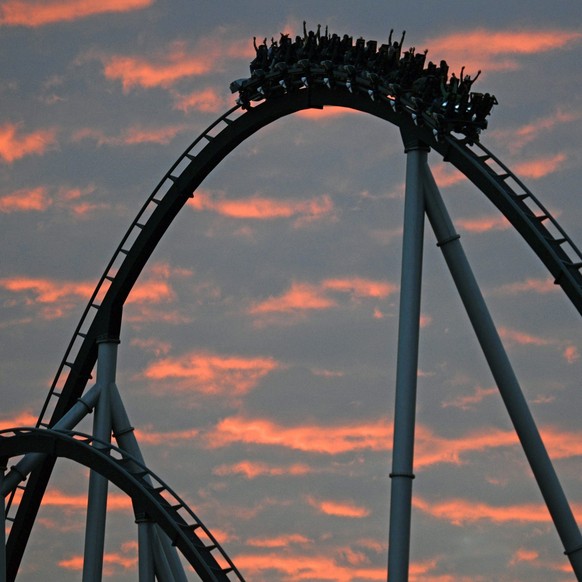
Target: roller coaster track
[
  {"x": 149, "y": 494},
  {"x": 102, "y": 317}
]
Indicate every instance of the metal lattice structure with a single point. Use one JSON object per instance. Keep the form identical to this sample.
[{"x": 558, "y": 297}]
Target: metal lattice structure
[{"x": 163, "y": 519}]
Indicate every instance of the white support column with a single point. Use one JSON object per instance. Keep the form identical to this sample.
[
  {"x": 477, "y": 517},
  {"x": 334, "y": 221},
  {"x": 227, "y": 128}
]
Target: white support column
[
  {"x": 145, "y": 533},
  {"x": 167, "y": 562},
  {"x": 513, "y": 398},
  {"x": 98, "y": 485},
  {"x": 407, "y": 366},
  {"x": 77, "y": 412}
]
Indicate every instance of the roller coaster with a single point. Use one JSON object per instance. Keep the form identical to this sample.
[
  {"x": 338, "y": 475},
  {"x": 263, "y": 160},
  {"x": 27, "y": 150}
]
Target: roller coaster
[{"x": 165, "y": 524}]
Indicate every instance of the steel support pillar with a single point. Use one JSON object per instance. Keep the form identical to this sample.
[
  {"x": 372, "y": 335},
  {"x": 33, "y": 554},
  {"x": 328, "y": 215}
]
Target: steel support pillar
[
  {"x": 98, "y": 485},
  {"x": 521, "y": 417},
  {"x": 167, "y": 562},
  {"x": 407, "y": 366},
  {"x": 78, "y": 411},
  {"x": 145, "y": 533}
]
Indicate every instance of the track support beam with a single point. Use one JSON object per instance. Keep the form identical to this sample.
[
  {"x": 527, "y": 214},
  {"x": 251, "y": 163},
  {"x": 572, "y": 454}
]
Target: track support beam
[
  {"x": 98, "y": 484},
  {"x": 407, "y": 365},
  {"x": 496, "y": 356}
]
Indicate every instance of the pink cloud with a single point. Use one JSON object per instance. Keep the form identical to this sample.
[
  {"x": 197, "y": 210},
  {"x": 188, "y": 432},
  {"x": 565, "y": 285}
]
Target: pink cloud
[
  {"x": 517, "y": 138},
  {"x": 211, "y": 373},
  {"x": 57, "y": 498},
  {"x": 541, "y": 286},
  {"x": 300, "y": 297},
  {"x": 446, "y": 175},
  {"x": 281, "y": 541},
  {"x": 34, "y": 13},
  {"x": 523, "y": 555},
  {"x": 303, "y": 297},
  {"x": 132, "y": 135},
  {"x": 495, "y": 50},
  {"x": 571, "y": 354},
  {"x": 373, "y": 435},
  {"x": 263, "y": 208},
  {"x": 483, "y": 224},
  {"x": 305, "y": 567},
  {"x": 339, "y": 508},
  {"x": 327, "y": 113},
  {"x": 26, "y": 200},
  {"x": 522, "y": 338},
  {"x": 254, "y": 469},
  {"x": 15, "y": 145},
  {"x": 149, "y": 436},
  {"x": 175, "y": 62},
  {"x": 541, "y": 167},
  {"x": 468, "y": 401},
  {"x": 207, "y": 100},
  {"x": 24, "y": 418},
  {"x": 459, "y": 511},
  {"x": 376, "y": 435}
]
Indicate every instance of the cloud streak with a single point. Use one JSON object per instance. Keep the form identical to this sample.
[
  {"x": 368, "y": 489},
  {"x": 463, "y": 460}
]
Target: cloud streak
[
  {"x": 14, "y": 144},
  {"x": 42, "y": 12},
  {"x": 211, "y": 373},
  {"x": 26, "y": 200},
  {"x": 498, "y": 50},
  {"x": 264, "y": 208},
  {"x": 459, "y": 511}
]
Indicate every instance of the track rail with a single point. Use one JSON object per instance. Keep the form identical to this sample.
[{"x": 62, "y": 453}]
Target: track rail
[
  {"x": 102, "y": 317},
  {"x": 149, "y": 494}
]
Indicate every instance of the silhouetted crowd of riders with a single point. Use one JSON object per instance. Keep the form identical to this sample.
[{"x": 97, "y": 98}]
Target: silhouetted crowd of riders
[{"x": 404, "y": 79}]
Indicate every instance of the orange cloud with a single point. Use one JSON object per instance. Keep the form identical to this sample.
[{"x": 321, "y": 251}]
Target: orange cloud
[
  {"x": 497, "y": 50},
  {"x": 540, "y": 167},
  {"x": 170, "y": 438},
  {"x": 212, "y": 373},
  {"x": 15, "y": 145},
  {"x": 463, "y": 511},
  {"x": 541, "y": 286},
  {"x": 25, "y": 200},
  {"x": 373, "y": 435},
  {"x": 522, "y": 338},
  {"x": 300, "y": 567},
  {"x": 328, "y": 112},
  {"x": 131, "y": 136},
  {"x": 207, "y": 101},
  {"x": 305, "y": 296},
  {"x": 57, "y": 498},
  {"x": 150, "y": 291},
  {"x": 301, "y": 297},
  {"x": 571, "y": 354},
  {"x": 24, "y": 418},
  {"x": 523, "y": 555},
  {"x": 339, "y": 508},
  {"x": 253, "y": 469},
  {"x": 281, "y": 541},
  {"x": 447, "y": 175},
  {"x": 484, "y": 224},
  {"x": 519, "y": 137},
  {"x": 41, "y": 12},
  {"x": 376, "y": 435},
  {"x": 113, "y": 562},
  {"x": 262, "y": 208},
  {"x": 359, "y": 287},
  {"x": 176, "y": 62},
  {"x": 467, "y": 402},
  {"x": 56, "y": 298}
]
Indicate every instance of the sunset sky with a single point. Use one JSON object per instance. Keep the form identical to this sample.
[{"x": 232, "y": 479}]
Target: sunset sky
[{"x": 258, "y": 348}]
